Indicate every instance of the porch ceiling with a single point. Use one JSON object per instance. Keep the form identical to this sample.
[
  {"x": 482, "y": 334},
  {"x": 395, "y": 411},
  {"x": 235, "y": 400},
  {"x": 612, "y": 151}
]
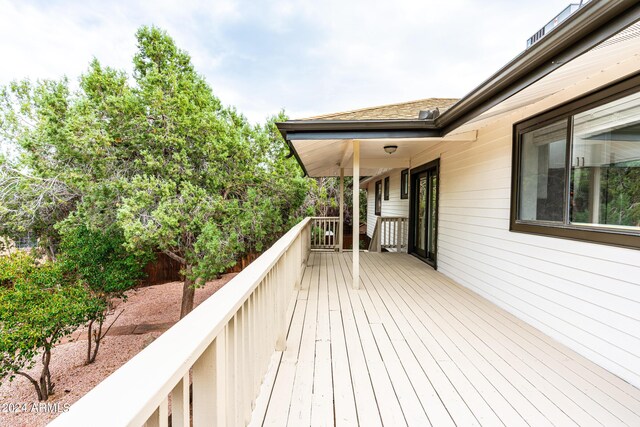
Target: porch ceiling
[{"x": 325, "y": 157}]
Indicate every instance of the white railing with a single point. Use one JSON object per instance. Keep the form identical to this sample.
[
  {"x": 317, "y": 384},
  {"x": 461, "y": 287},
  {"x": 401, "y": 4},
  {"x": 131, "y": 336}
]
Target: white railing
[
  {"x": 222, "y": 349},
  {"x": 390, "y": 233},
  {"x": 325, "y": 232}
]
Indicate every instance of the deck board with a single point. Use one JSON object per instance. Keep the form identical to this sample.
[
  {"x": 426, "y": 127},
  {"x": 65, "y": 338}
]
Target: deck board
[{"x": 412, "y": 347}]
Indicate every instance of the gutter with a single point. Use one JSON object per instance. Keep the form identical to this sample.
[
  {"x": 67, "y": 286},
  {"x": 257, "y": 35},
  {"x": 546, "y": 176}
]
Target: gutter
[
  {"x": 361, "y": 129},
  {"x": 315, "y": 125}
]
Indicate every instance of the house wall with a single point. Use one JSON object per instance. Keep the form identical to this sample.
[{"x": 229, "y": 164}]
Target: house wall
[
  {"x": 585, "y": 295},
  {"x": 395, "y": 206}
]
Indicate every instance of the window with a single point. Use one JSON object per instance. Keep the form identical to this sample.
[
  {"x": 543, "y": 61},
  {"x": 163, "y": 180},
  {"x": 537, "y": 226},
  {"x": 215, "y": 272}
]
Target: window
[
  {"x": 404, "y": 184},
  {"x": 577, "y": 169},
  {"x": 378, "y": 198},
  {"x": 542, "y": 172},
  {"x": 386, "y": 188}
]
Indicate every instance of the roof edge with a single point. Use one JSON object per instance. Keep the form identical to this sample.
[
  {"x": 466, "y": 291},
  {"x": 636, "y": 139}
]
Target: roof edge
[{"x": 387, "y": 124}]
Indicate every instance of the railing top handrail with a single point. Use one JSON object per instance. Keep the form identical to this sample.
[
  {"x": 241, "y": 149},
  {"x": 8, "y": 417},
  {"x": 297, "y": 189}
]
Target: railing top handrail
[
  {"x": 324, "y": 217},
  {"x": 394, "y": 217},
  {"x": 136, "y": 389}
]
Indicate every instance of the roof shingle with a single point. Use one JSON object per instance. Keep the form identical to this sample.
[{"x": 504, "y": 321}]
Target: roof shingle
[{"x": 403, "y": 110}]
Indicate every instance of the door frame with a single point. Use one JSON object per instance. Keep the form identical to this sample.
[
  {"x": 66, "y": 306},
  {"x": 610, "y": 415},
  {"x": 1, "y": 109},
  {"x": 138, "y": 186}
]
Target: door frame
[{"x": 413, "y": 177}]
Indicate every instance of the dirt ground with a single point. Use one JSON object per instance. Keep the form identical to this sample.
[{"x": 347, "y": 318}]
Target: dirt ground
[{"x": 147, "y": 313}]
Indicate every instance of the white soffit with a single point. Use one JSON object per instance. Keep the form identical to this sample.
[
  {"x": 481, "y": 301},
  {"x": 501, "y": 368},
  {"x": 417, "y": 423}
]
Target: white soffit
[{"x": 613, "y": 59}]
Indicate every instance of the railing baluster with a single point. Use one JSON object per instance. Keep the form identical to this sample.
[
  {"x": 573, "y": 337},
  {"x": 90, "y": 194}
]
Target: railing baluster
[
  {"x": 264, "y": 350},
  {"x": 254, "y": 348},
  {"x": 250, "y": 360},
  {"x": 388, "y": 233},
  {"x": 281, "y": 338},
  {"x": 204, "y": 372},
  {"x": 240, "y": 367},
  {"x": 231, "y": 370},
  {"x": 220, "y": 388},
  {"x": 324, "y": 233},
  {"x": 180, "y": 403},
  {"x": 209, "y": 386},
  {"x": 159, "y": 418},
  {"x": 385, "y": 227}
]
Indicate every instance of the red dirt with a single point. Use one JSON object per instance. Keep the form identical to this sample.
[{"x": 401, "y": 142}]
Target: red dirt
[{"x": 147, "y": 313}]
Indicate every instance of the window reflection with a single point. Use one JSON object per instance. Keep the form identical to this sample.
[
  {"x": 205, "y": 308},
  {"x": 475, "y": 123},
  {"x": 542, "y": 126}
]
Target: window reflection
[{"x": 605, "y": 165}]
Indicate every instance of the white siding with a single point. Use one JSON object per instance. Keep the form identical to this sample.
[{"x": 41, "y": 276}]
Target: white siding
[
  {"x": 585, "y": 295},
  {"x": 395, "y": 206}
]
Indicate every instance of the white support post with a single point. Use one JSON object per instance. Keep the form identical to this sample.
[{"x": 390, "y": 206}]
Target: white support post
[
  {"x": 356, "y": 214},
  {"x": 341, "y": 205}
]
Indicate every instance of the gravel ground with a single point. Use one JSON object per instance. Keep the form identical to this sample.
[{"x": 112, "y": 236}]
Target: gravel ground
[{"x": 158, "y": 304}]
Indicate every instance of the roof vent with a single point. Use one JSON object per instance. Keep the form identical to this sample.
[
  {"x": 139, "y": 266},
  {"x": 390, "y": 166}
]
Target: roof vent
[
  {"x": 429, "y": 114},
  {"x": 551, "y": 25}
]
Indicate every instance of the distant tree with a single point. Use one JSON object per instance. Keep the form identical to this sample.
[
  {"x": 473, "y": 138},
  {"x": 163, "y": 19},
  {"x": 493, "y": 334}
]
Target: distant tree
[
  {"x": 38, "y": 307},
  {"x": 206, "y": 186},
  {"x": 620, "y": 198},
  {"x": 277, "y": 191},
  {"x": 101, "y": 263},
  {"x": 39, "y": 188},
  {"x": 323, "y": 199},
  {"x": 194, "y": 161}
]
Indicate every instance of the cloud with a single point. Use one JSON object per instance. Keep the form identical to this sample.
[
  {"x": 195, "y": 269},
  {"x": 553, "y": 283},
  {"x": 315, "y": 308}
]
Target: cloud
[{"x": 309, "y": 57}]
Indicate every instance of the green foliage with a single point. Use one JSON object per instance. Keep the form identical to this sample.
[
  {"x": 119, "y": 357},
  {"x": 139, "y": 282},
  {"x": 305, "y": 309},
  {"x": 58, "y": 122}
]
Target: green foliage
[
  {"x": 272, "y": 203},
  {"x": 620, "y": 201},
  {"x": 39, "y": 305},
  {"x": 323, "y": 199},
  {"x": 619, "y": 195},
  {"x": 156, "y": 156},
  {"x": 38, "y": 188},
  {"x": 99, "y": 261}
]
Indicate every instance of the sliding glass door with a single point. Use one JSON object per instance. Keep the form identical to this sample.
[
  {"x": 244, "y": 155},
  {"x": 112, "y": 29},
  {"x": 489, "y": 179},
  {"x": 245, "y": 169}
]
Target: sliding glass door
[{"x": 424, "y": 212}]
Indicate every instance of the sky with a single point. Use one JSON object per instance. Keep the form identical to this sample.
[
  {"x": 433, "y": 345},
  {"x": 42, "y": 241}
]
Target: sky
[{"x": 262, "y": 56}]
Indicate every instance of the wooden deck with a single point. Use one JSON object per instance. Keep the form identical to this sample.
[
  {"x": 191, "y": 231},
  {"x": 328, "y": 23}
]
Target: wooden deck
[{"x": 412, "y": 347}]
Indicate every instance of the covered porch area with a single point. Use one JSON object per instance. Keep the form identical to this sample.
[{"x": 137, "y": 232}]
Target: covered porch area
[{"x": 412, "y": 347}]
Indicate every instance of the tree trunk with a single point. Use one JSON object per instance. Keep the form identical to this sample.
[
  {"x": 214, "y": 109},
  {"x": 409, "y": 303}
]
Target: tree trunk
[
  {"x": 97, "y": 339},
  {"x": 89, "y": 342},
  {"x": 93, "y": 336},
  {"x": 188, "y": 292},
  {"x": 46, "y": 386},
  {"x": 51, "y": 253},
  {"x": 33, "y": 382},
  {"x": 96, "y": 336}
]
